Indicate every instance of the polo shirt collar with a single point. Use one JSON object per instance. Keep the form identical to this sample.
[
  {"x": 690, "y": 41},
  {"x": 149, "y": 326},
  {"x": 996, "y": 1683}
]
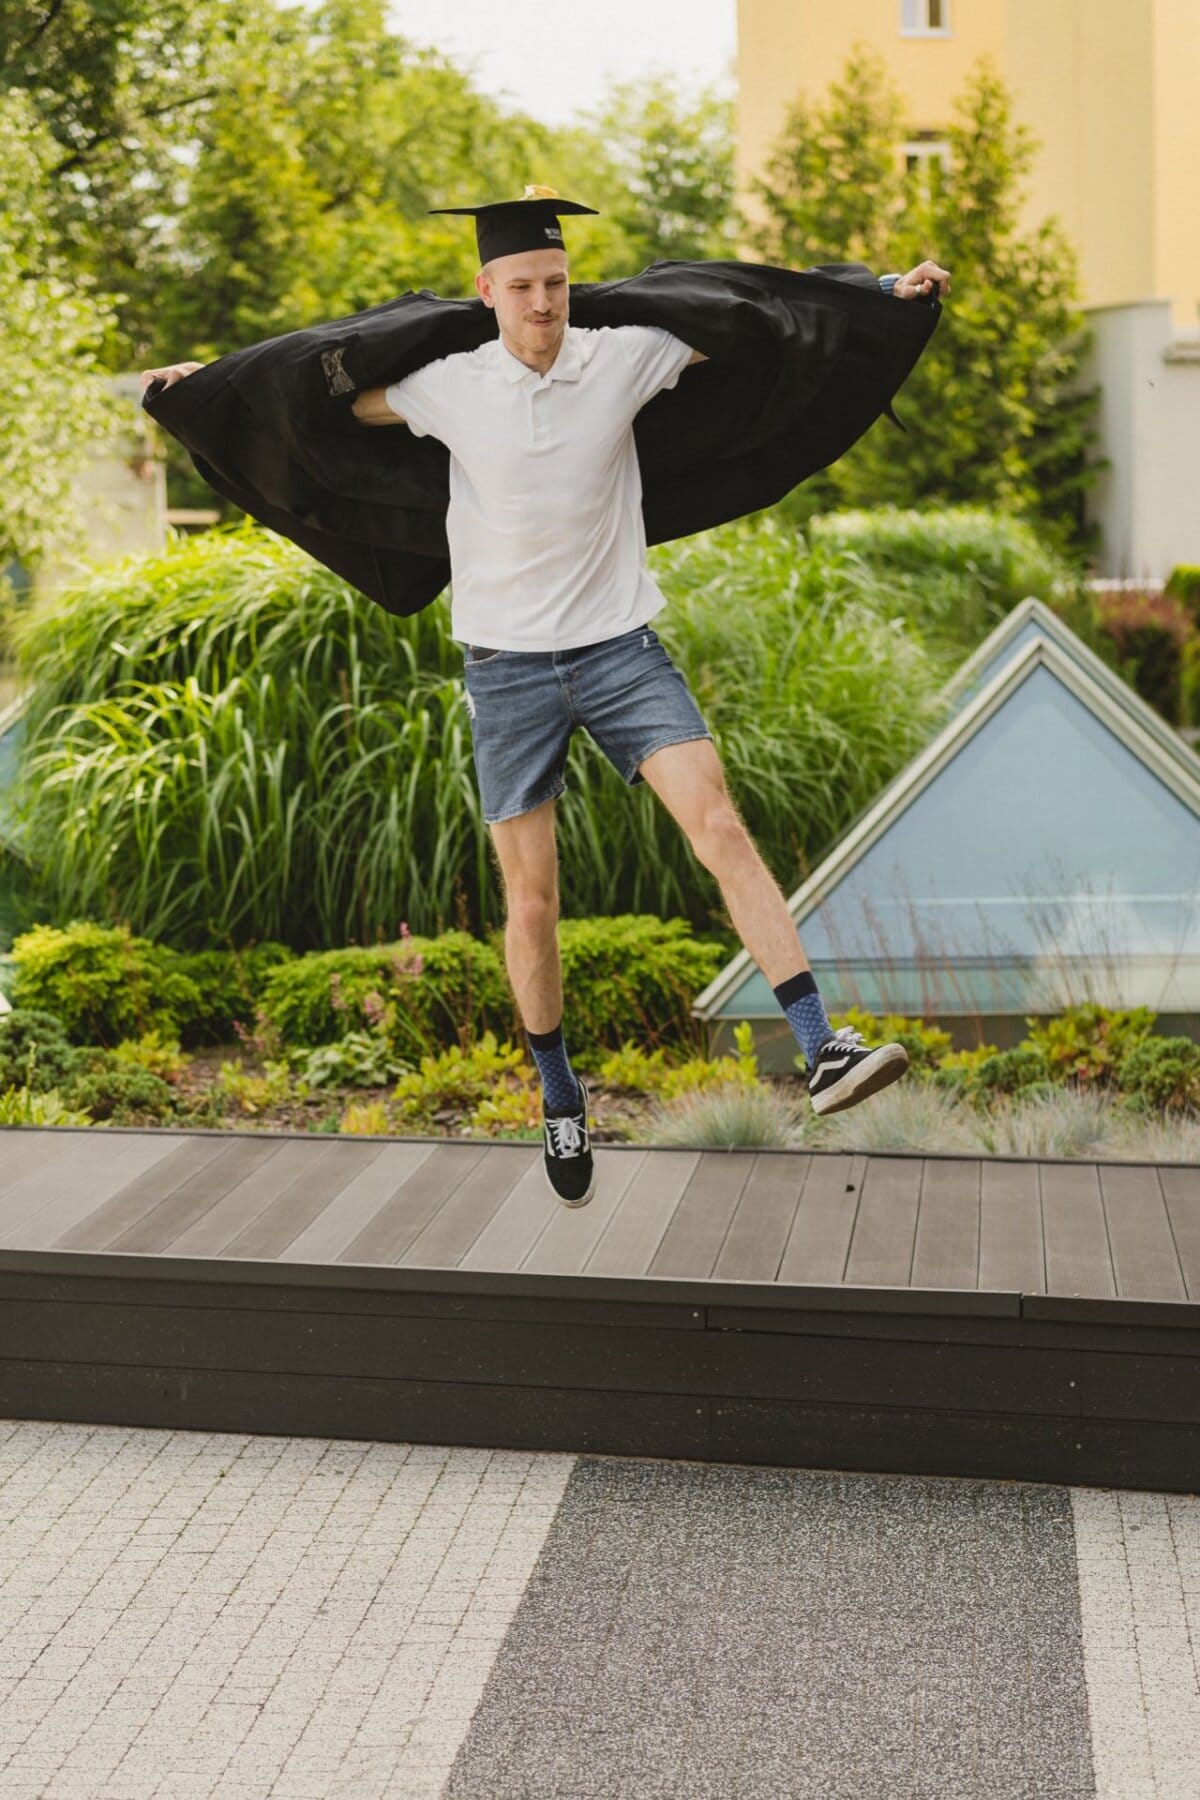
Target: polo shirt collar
[{"x": 567, "y": 365}]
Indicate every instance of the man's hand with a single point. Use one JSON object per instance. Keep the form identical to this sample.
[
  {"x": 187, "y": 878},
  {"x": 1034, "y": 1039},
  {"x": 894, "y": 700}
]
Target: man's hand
[
  {"x": 175, "y": 373},
  {"x": 926, "y": 278}
]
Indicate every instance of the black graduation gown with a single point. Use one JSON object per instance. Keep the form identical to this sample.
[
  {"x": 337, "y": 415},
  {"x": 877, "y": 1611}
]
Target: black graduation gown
[{"x": 802, "y": 362}]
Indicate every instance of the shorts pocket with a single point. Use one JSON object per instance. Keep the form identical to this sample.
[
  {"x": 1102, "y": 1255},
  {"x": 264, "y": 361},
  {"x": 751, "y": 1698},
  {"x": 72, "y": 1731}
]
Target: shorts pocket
[{"x": 479, "y": 653}]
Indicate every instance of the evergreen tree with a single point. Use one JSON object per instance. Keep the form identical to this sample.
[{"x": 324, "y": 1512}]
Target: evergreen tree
[
  {"x": 833, "y": 190},
  {"x": 996, "y": 410}
]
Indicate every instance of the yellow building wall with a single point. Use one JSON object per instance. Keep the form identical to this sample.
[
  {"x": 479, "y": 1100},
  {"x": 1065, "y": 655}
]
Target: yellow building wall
[{"x": 1108, "y": 88}]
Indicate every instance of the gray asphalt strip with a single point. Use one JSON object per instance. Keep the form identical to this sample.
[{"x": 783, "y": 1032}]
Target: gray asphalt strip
[{"x": 706, "y": 1630}]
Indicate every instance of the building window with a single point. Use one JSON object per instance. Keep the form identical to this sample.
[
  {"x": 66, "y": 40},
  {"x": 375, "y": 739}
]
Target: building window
[
  {"x": 923, "y": 149},
  {"x": 925, "y": 18}
]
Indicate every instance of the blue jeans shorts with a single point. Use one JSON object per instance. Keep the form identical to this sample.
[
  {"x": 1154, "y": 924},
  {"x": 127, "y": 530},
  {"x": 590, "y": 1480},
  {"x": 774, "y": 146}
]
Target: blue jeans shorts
[{"x": 524, "y": 705}]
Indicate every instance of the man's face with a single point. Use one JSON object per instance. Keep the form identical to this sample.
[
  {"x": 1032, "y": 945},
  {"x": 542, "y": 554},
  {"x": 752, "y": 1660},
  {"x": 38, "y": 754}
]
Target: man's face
[{"x": 531, "y": 297}]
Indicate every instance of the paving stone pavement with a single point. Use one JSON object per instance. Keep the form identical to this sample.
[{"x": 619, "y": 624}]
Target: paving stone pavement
[{"x": 187, "y": 1613}]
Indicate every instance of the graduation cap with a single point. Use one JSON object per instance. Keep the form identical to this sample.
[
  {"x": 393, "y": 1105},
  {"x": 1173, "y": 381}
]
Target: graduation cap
[{"x": 508, "y": 226}]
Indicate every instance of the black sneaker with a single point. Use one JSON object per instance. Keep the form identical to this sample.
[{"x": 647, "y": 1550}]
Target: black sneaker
[
  {"x": 568, "y": 1152},
  {"x": 844, "y": 1074}
]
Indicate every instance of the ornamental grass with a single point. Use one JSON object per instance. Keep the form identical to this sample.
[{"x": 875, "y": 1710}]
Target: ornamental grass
[{"x": 228, "y": 744}]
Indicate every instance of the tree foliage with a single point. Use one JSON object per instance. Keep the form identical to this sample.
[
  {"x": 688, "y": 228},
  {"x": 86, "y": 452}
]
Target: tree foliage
[
  {"x": 55, "y": 403},
  {"x": 996, "y": 410},
  {"x": 665, "y": 174}
]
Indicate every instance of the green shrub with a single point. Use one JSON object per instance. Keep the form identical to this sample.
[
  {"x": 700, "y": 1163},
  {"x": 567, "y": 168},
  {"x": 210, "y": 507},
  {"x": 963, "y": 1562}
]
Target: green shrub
[
  {"x": 1189, "y": 683},
  {"x": 1149, "y": 632},
  {"x": 418, "y": 993},
  {"x": 230, "y": 984},
  {"x": 161, "y": 1055},
  {"x": 103, "y": 983},
  {"x": 635, "y": 975},
  {"x": 359, "y": 1059},
  {"x": 34, "y": 1050},
  {"x": 1088, "y": 1043},
  {"x": 1183, "y": 583},
  {"x": 1014, "y": 1071},
  {"x": 21, "y": 1106},
  {"x": 457, "y": 1077},
  {"x": 1163, "y": 1072},
  {"x": 123, "y": 1094}
]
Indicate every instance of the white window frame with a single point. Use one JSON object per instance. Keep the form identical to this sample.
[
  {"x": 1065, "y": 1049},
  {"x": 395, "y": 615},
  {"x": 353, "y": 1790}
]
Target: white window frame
[
  {"x": 914, "y": 19},
  {"x": 926, "y": 149}
]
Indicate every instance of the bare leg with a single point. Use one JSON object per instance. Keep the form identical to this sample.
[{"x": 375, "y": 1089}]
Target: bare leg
[
  {"x": 528, "y": 856},
  {"x": 756, "y": 904}
]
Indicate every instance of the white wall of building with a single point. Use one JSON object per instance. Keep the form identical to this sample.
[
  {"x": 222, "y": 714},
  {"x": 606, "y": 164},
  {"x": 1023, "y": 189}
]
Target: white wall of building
[{"x": 1148, "y": 502}]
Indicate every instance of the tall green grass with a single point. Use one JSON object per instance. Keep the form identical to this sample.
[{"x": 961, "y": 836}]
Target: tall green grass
[
  {"x": 952, "y": 572},
  {"x": 226, "y": 743}
]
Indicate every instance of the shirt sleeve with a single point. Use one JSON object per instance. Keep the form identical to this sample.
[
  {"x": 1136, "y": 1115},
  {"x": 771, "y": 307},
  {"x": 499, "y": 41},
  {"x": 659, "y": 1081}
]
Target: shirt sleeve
[
  {"x": 888, "y": 282},
  {"x": 422, "y": 399},
  {"x": 658, "y": 358}
]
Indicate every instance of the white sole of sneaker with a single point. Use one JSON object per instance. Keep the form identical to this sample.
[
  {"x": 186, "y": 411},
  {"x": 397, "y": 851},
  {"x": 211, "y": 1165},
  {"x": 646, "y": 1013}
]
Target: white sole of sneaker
[
  {"x": 876, "y": 1071},
  {"x": 570, "y": 1204}
]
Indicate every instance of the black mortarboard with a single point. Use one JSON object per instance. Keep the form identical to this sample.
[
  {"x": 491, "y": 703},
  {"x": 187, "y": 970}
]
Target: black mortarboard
[{"x": 508, "y": 226}]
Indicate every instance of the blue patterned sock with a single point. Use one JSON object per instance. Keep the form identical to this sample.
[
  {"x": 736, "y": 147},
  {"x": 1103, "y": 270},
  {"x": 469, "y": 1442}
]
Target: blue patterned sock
[
  {"x": 805, "y": 1011},
  {"x": 560, "y": 1087}
]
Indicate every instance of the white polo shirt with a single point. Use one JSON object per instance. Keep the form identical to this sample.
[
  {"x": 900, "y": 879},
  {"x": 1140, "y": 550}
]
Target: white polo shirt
[{"x": 547, "y": 541}]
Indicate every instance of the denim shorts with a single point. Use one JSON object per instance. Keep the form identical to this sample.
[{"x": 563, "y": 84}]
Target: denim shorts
[{"x": 524, "y": 705}]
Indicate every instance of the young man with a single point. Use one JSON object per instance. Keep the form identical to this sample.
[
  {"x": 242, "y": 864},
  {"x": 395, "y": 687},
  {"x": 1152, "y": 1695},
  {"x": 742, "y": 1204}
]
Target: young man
[{"x": 552, "y": 601}]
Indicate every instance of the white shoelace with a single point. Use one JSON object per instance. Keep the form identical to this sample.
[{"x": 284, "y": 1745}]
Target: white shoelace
[
  {"x": 566, "y": 1139},
  {"x": 846, "y": 1034}
]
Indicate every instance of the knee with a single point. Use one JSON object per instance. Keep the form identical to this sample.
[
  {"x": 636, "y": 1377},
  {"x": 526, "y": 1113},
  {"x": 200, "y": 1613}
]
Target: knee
[
  {"x": 719, "y": 837},
  {"x": 532, "y": 911}
]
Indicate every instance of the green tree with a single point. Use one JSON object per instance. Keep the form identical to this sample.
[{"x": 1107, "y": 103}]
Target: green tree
[
  {"x": 833, "y": 189},
  {"x": 55, "y": 403},
  {"x": 996, "y": 410},
  {"x": 660, "y": 164},
  {"x": 117, "y": 84}
]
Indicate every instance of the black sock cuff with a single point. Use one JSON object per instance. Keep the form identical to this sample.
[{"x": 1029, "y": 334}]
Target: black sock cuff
[
  {"x": 545, "y": 1040},
  {"x": 795, "y": 988}
]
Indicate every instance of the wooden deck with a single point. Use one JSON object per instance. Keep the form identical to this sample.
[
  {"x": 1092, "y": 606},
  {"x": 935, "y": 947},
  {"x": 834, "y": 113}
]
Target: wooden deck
[{"x": 961, "y": 1316}]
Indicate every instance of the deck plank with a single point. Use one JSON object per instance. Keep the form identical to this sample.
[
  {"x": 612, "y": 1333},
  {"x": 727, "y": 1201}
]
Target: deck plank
[
  {"x": 360, "y": 1201},
  {"x": 759, "y": 1231},
  {"x": 692, "y": 1241},
  {"x": 154, "y": 1231},
  {"x": 83, "y": 1170},
  {"x": 1181, "y": 1191},
  {"x": 1145, "y": 1262},
  {"x": 631, "y": 1240},
  {"x": 465, "y": 1210},
  {"x": 519, "y": 1221},
  {"x": 881, "y": 1250},
  {"x": 1078, "y": 1259},
  {"x": 25, "y": 1150},
  {"x": 330, "y": 1169},
  {"x": 819, "y": 1243},
  {"x": 1012, "y": 1255},
  {"x": 77, "y": 1185},
  {"x": 946, "y": 1252},
  {"x": 187, "y": 1165},
  {"x": 571, "y": 1236},
  {"x": 212, "y": 1231},
  {"x": 388, "y": 1233}
]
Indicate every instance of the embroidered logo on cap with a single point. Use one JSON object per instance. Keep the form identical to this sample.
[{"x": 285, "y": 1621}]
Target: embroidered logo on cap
[{"x": 552, "y": 231}]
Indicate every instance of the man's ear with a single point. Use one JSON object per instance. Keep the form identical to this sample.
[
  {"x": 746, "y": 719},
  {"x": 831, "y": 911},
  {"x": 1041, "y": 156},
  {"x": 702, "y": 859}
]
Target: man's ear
[{"x": 483, "y": 286}]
